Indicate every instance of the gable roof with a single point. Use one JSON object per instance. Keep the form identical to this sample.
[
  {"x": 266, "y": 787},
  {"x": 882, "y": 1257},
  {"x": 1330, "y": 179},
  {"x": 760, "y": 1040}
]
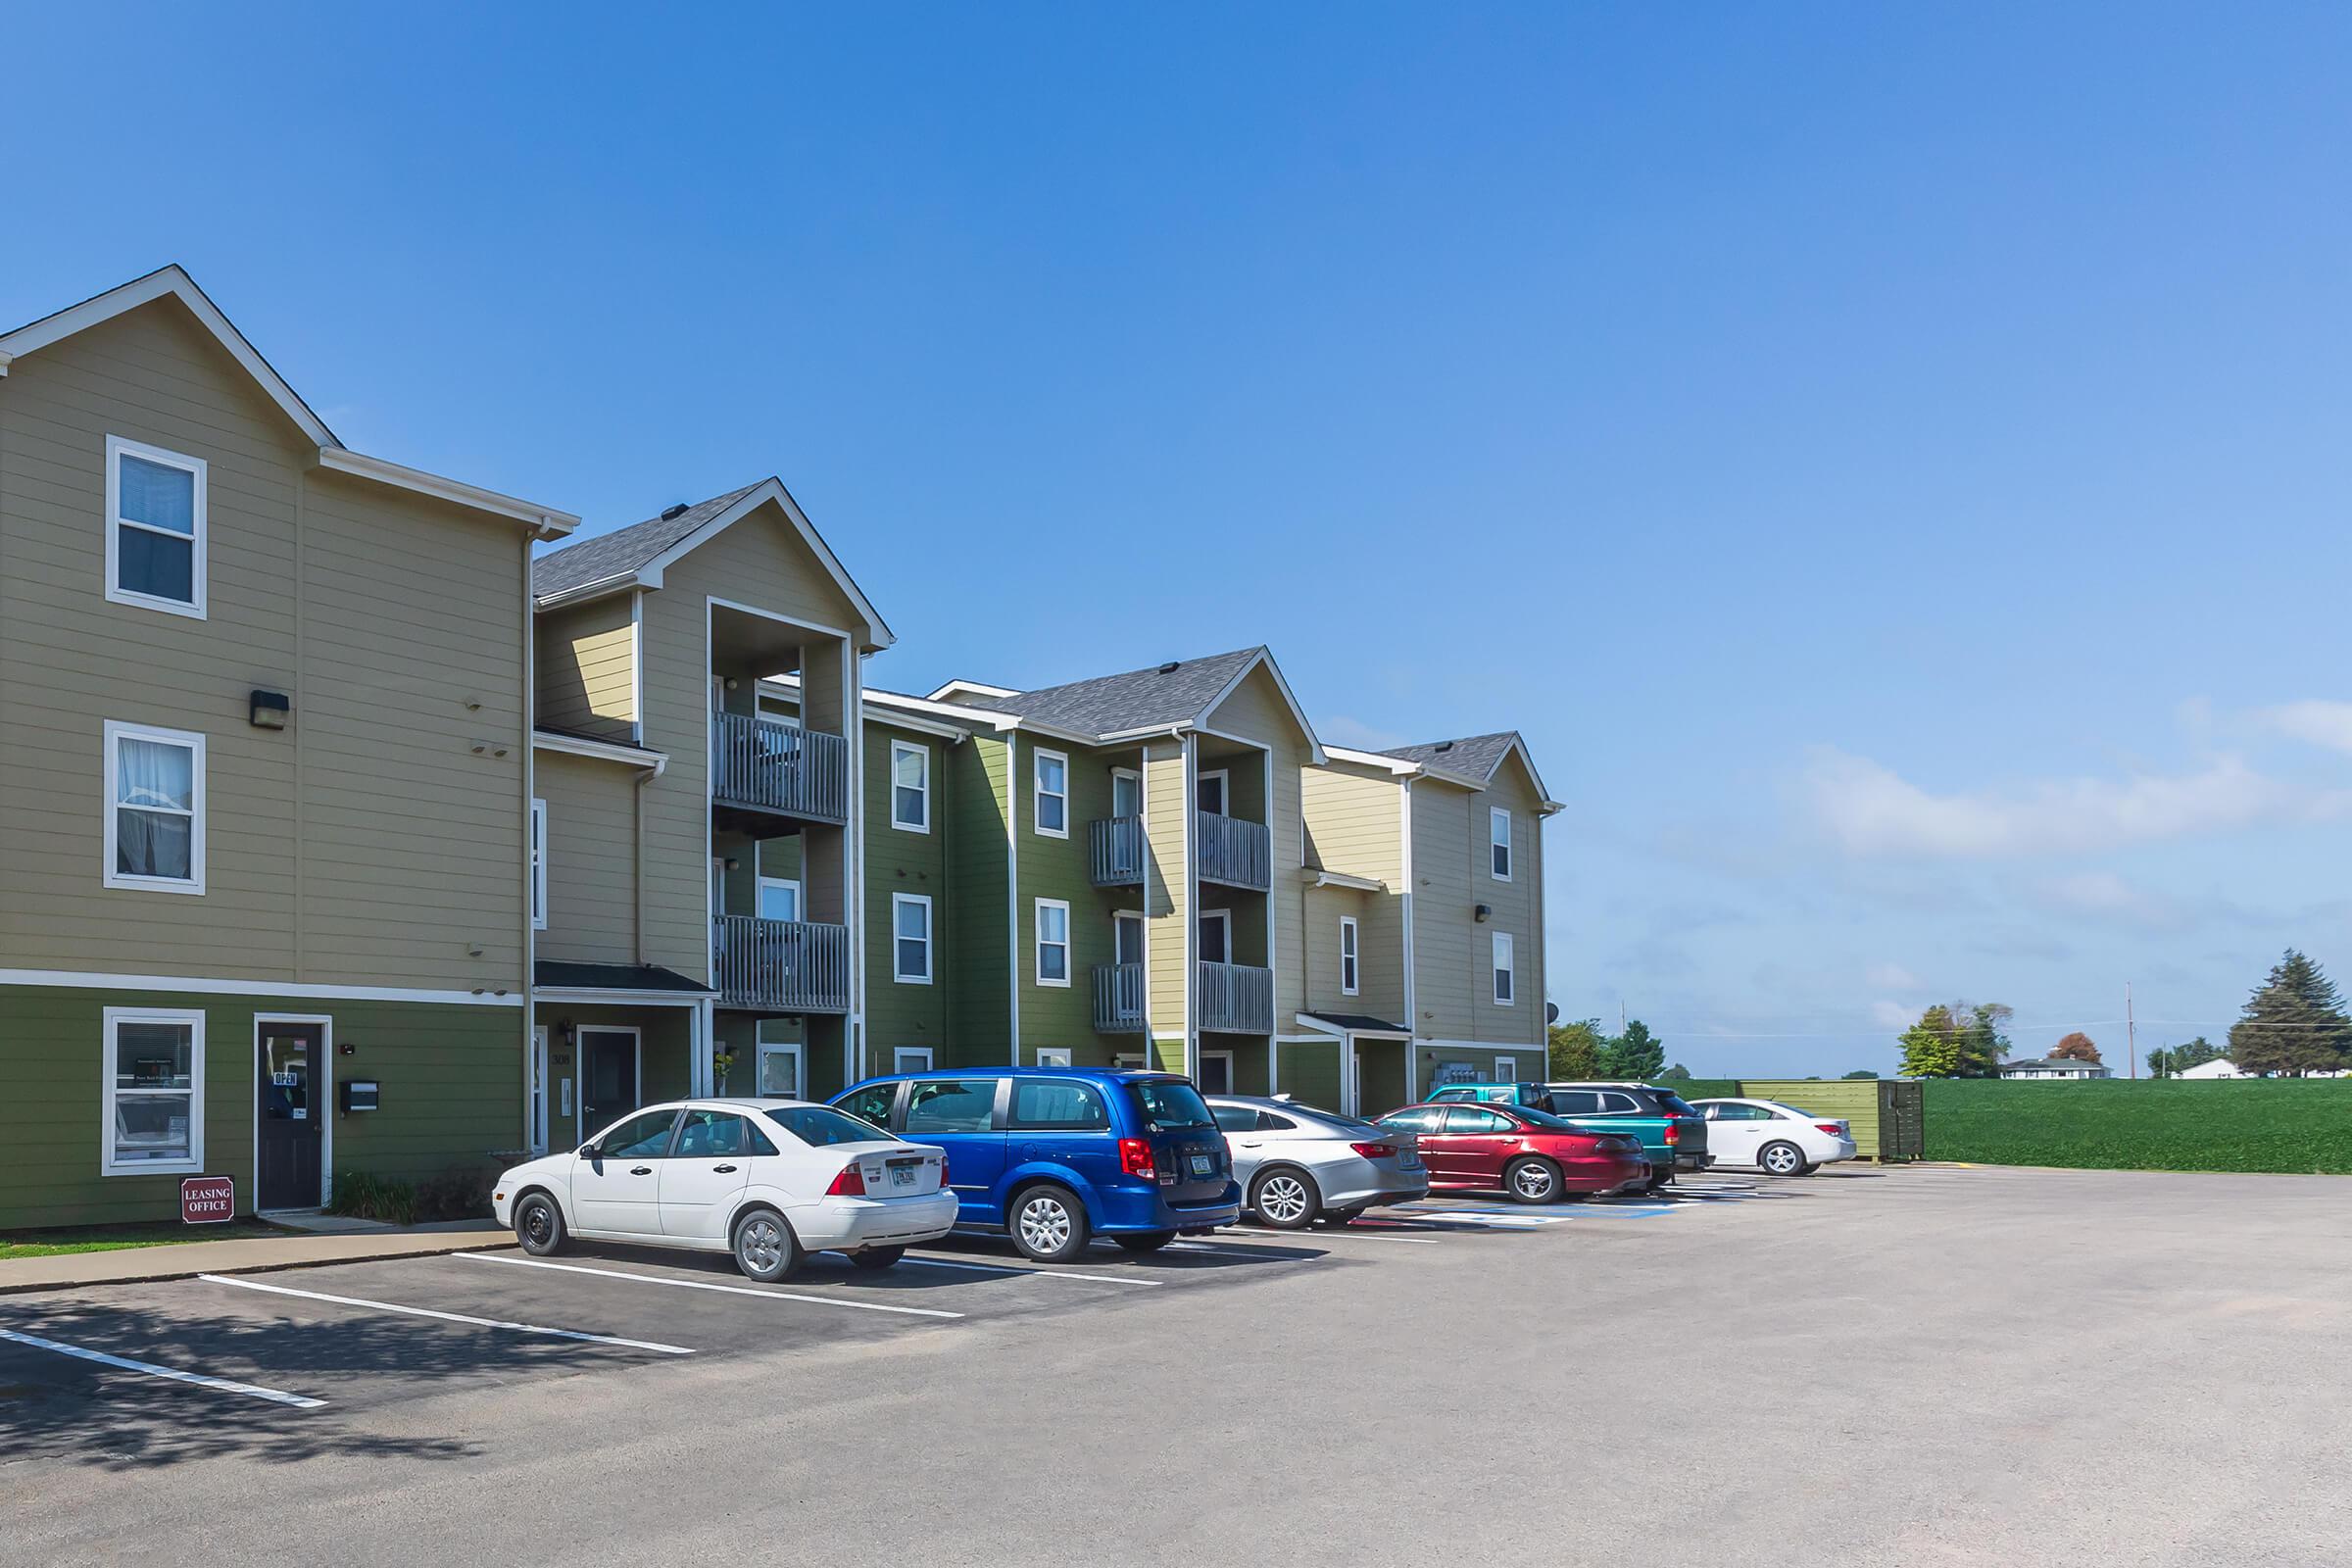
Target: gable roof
[
  {"x": 173, "y": 280},
  {"x": 1474, "y": 758},
  {"x": 1176, "y": 695},
  {"x": 634, "y": 557}
]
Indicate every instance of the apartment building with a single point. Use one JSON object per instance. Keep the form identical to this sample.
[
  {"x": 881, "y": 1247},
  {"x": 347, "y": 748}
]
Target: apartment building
[{"x": 265, "y": 742}]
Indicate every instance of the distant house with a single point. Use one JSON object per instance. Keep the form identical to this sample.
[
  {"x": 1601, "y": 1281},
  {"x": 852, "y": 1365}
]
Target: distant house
[
  {"x": 2054, "y": 1068},
  {"x": 2218, "y": 1068}
]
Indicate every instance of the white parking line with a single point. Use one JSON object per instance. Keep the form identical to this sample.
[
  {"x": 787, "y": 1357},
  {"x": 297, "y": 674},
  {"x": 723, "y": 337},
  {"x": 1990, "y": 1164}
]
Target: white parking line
[
  {"x": 706, "y": 1285},
  {"x": 300, "y": 1402},
  {"x": 1349, "y": 1234},
  {"x": 1007, "y": 1268},
  {"x": 446, "y": 1317}
]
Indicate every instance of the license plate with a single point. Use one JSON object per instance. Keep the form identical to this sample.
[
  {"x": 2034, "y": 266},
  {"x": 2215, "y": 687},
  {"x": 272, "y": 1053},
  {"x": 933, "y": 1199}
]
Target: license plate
[
  {"x": 1203, "y": 1165},
  {"x": 1409, "y": 1161},
  {"x": 903, "y": 1178}
]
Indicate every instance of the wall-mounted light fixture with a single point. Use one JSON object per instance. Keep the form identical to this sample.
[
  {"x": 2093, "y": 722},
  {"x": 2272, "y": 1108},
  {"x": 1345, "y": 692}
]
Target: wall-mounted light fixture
[
  {"x": 268, "y": 710},
  {"x": 1480, "y": 913},
  {"x": 564, "y": 1032}
]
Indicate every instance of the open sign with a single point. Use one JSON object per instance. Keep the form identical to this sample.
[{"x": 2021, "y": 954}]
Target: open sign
[{"x": 208, "y": 1199}]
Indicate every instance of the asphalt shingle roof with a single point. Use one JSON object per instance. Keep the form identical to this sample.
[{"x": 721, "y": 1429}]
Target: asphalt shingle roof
[
  {"x": 1361, "y": 1021},
  {"x": 623, "y": 549},
  {"x": 558, "y": 975},
  {"x": 1165, "y": 694},
  {"x": 1473, "y": 755}
]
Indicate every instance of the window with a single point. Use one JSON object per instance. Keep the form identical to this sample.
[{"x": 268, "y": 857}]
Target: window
[
  {"x": 1171, "y": 1107},
  {"x": 154, "y": 1077},
  {"x": 1506, "y": 1069},
  {"x": 1615, "y": 1104},
  {"x": 712, "y": 1135},
  {"x": 538, "y": 866},
  {"x": 1505, "y": 979},
  {"x": 910, "y": 787},
  {"x": 1574, "y": 1102},
  {"x": 779, "y": 898},
  {"x": 1347, "y": 985},
  {"x": 1467, "y": 1119},
  {"x": 1046, "y": 1105},
  {"x": 645, "y": 1137},
  {"x": 1126, "y": 792},
  {"x": 1499, "y": 849},
  {"x": 871, "y": 1104},
  {"x": 776, "y": 1073},
  {"x": 1052, "y": 1056},
  {"x": 1216, "y": 936},
  {"x": 155, "y": 504},
  {"x": 1208, "y": 793},
  {"x": 1425, "y": 1119},
  {"x": 952, "y": 1106},
  {"x": 911, "y": 938},
  {"x": 1052, "y": 942},
  {"x": 155, "y": 809},
  {"x": 1052, "y": 804},
  {"x": 819, "y": 1125},
  {"x": 910, "y": 1059}
]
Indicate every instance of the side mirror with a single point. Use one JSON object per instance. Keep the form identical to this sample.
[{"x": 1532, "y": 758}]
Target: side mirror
[{"x": 589, "y": 1151}]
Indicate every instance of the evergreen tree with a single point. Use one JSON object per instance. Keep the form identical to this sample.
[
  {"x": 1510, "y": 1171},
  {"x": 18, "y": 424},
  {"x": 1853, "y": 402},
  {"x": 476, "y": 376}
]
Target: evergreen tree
[
  {"x": 1635, "y": 1054},
  {"x": 2293, "y": 1024}
]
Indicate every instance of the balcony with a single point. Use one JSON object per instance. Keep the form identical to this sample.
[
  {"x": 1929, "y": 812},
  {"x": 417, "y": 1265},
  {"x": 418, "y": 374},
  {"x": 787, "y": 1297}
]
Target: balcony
[
  {"x": 761, "y": 769},
  {"x": 1118, "y": 999},
  {"x": 1238, "y": 854},
  {"x": 1116, "y": 851},
  {"x": 780, "y": 965},
  {"x": 1235, "y": 999}
]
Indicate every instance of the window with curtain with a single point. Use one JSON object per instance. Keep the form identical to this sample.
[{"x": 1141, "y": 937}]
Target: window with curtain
[
  {"x": 154, "y": 1084},
  {"x": 155, "y": 809},
  {"x": 910, "y": 787},
  {"x": 155, "y": 530}
]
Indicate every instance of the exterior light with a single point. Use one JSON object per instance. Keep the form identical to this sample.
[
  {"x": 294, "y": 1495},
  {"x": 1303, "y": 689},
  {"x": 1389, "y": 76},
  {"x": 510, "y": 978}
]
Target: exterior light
[{"x": 270, "y": 710}]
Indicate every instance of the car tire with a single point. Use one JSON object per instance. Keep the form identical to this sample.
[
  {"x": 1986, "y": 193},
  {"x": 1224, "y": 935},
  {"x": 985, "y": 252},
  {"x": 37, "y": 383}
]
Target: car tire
[
  {"x": 1285, "y": 1199},
  {"x": 1532, "y": 1179},
  {"x": 1342, "y": 1217},
  {"x": 1147, "y": 1242},
  {"x": 1048, "y": 1224},
  {"x": 1780, "y": 1159},
  {"x": 764, "y": 1248},
  {"x": 877, "y": 1256},
  {"x": 539, "y": 1225},
  {"x": 1811, "y": 1165}
]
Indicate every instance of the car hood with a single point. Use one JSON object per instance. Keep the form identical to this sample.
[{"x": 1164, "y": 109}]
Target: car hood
[{"x": 546, "y": 1165}]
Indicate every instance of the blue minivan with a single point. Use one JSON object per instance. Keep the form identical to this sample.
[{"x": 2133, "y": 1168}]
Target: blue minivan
[{"x": 1053, "y": 1157}]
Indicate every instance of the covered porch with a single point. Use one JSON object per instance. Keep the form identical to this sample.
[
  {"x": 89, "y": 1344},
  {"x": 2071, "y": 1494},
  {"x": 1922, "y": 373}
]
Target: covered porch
[
  {"x": 1373, "y": 1059},
  {"x": 609, "y": 1038}
]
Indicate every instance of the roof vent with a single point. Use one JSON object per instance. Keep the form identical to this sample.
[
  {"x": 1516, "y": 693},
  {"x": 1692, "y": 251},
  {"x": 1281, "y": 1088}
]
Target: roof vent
[
  {"x": 677, "y": 510},
  {"x": 1168, "y": 669},
  {"x": 1442, "y": 746}
]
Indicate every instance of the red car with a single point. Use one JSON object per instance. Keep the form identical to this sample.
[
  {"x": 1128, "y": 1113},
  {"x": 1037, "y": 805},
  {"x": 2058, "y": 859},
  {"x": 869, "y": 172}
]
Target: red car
[{"x": 1532, "y": 1155}]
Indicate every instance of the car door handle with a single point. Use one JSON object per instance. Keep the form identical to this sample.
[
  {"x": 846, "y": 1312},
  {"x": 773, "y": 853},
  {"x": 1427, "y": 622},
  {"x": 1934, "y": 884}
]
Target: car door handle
[
  {"x": 641, "y": 1170},
  {"x": 723, "y": 1169},
  {"x": 1250, "y": 1146}
]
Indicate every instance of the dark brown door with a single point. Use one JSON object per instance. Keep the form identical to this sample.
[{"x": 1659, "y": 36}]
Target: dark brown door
[{"x": 286, "y": 1065}]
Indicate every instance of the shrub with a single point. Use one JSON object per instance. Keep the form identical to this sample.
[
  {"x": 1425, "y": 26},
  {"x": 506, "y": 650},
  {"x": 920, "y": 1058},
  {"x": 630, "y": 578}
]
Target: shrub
[
  {"x": 364, "y": 1195},
  {"x": 461, "y": 1194}
]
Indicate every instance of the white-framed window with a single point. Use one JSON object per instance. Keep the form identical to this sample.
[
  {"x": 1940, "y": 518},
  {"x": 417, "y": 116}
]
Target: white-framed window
[
  {"x": 780, "y": 897},
  {"x": 1506, "y": 1069},
  {"x": 1052, "y": 1056},
  {"x": 153, "y": 1093},
  {"x": 910, "y": 787},
  {"x": 1216, "y": 936},
  {"x": 911, "y": 938},
  {"x": 781, "y": 1070},
  {"x": 155, "y": 527},
  {"x": 1499, "y": 848},
  {"x": 1052, "y": 807},
  {"x": 1506, "y": 980},
  {"x": 1208, "y": 791},
  {"x": 538, "y": 866},
  {"x": 1052, "y": 942},
  {"x": 1347, "y": 972},
  {"x": 910, "y": 1059},
  {"x": 154, "y": 808},
  {"x": 1126, "y": 792}
]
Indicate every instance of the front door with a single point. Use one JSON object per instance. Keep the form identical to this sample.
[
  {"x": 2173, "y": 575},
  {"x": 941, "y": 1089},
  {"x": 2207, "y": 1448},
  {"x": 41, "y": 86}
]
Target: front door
[
  {"x": 779, "y": 1075},
  {"x": 288, "y": 1057},
  {"x": 608, "y": 1077},
  {"x": 1216, "y": 1072}
]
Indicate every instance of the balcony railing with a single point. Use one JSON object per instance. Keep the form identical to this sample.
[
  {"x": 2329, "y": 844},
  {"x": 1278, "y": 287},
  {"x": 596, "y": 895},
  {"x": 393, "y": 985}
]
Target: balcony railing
[
  {"x": 1236, "y": 852},
  {"x": 780, "y": 965},
  {"x": 1235, "y": 999},
  {"x": 1118, "y": 999},
  {"x": 1116, "y": 851},
  {"x": 759, "y": 765}
]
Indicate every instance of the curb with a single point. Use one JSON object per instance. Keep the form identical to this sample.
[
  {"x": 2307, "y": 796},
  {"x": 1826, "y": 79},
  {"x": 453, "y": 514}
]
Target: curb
[{"x": 485, "y": 1241}]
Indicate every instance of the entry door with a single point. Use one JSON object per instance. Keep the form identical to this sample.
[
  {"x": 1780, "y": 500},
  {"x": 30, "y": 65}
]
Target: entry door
[
  {"x": 779, "y": 1068},
  {"x": 1127, "y": 937},
  {"x": 608, "y": 1077},
  {"x": 1126, "y": 793},
  {"x": 1216, "y": 937},
  {"x": 288, "y": 1057},
  {"x": 1216, "y": 1072}
]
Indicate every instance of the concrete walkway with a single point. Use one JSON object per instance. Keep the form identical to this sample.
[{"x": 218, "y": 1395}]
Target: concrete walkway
[{"x": 247, "y": 1254}]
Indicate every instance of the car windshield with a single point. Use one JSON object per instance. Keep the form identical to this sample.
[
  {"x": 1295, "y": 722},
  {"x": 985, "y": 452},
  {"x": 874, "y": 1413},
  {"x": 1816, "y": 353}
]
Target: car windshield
[
  {"x": 819, "y": 1125},
  {"x": 1172, "y": 1105}
]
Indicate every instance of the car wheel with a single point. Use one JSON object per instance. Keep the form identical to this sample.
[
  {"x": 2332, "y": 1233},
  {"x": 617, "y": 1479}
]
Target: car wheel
[
  {"x": 1531, "y": 1180},
  {"x": 1287, "y": 1199},
  {"x": 877, "y": 1256},
  {"x": 539, "y": 1225},
  {"x": 1049, "y": 1224},
  {"x": 1780, "y": 1159},
  {"x": 1148, "y": 1242},
  {"x": 765, "y": 1250}
]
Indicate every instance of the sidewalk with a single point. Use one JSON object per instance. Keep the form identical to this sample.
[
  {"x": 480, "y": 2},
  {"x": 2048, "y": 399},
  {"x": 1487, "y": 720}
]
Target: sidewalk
[{"x": 180, "y": 1260}]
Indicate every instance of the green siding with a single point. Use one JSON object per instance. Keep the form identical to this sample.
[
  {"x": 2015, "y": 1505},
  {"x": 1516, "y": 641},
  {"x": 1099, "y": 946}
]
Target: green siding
[
  {"x": 901, "y": 860},
  {"x": 1311, "y": 1073},
  {"x": 451, "y": 1078},
  {"x": 978, "y": 998}
]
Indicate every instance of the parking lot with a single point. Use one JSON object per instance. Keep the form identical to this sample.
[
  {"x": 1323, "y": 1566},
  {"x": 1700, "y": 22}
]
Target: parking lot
[{"x": 1931, "y": 1364}]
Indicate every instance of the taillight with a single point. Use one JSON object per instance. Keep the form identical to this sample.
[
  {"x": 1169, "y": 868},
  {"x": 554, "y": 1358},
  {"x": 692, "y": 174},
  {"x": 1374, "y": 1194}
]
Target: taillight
[
  {"x": 1674, "y": 1134},
  {"x": 1836, "y": 1127},
  {"x": 943, "y": 1172},
  {"x": 848, "y": 1184},
  {"x": 1135, "y": 1159},
  {"x": 1373, "y": 1151}
]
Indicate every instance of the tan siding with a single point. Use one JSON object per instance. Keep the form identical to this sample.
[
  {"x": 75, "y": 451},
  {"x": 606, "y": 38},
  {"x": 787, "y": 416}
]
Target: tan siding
[
  {"x": 1380, "y": 968},
  {"x": 1355, "y": 824},
  {"x": 1256, "y": 711},
  {"x": 587, "y": 668},
  {"x": 1454, "y": 951},
  {"x": 1444, "y": 965},
  {"x": 1167, "y": 806},
  {"x": 591, "y": 859},
  {"x": 1517, "y": 905}
]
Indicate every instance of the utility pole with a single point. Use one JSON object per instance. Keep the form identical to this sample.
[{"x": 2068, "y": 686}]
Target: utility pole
[{"x": 2130, "y": 1030}]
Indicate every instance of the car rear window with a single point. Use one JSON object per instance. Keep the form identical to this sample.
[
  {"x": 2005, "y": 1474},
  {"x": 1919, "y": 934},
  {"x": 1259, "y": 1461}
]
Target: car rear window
[
  {"x": 819, "y": 1125},
  {"x": 1053, "y": 1104},
  {"x": 1170, "y": 1105},
  {"x": 1545, "y": 1120},
  {"x": 1574, "y": 1102},
  {"x": 1675, "y": 1103}
]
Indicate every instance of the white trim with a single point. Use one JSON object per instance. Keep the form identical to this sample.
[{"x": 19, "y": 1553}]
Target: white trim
[
  {"x": 1038, "y": 942},
  {"x": 637, "y": 669},
  {"x": 322, "y": 1100},
  {"x": 603, "y": 751},
  {"x": 1013, "y": 891},
  {"x": 884, "y": 714},
  {"x": 898, "y": 937},
  {"x": 1061, "y": 1053},
  {"x": 1265, "y": 657},
  {"x": 198, "y": 473},
  {"x": 212, "y": 986},
  {"x": 545, "y": 522},
  {"x": 800, "y": 1057},
  {"x": 591, "y": 997},
  {"x": 799, "y": 895},
  {"x": 1038, "y": 792},
  {"x": 116, "y": 731},
  {"x": 976, "y": 688},
  {"x": 1189, "y": 754},
  {"x": 1326, "y": 1030},
  {"x": 1341, "y": 879},
  {"x": 897, "y": 1066},
  {"x": 1506, "y": 963},
  {"x": 1405, "y": 830},
  {"x": 1224, "y": 779},
  {"x": 1224, "y": 918},
  {"x": 1501, "y": 815},
  {"x": 1392, "y": 765},
  {"x": 109, "y": 1019},
  {"x": 1351, "y": 956},
  {"x": 538, "y": 865},
  {"x": 910, "y": 749}
]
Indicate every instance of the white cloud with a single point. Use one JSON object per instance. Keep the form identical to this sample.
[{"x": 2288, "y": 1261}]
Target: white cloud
[
  {"x": 2320, "y": 723},
  {"x": 1340, "y": 730},
  {"x": 1895, "y": 1016},
  {"x": 2105, "y": 895},
  {"x": 1869, "y": 809},
  {"x": 1890, "y": 977}
]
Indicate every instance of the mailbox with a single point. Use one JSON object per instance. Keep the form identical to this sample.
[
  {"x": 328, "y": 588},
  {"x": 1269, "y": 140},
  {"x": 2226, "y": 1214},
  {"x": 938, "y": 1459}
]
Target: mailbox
[{"x": 358, "y": 1094}]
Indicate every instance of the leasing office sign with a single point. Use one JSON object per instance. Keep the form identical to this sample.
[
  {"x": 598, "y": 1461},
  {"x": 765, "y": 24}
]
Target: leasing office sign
[{"x": 208, "y": 1199}]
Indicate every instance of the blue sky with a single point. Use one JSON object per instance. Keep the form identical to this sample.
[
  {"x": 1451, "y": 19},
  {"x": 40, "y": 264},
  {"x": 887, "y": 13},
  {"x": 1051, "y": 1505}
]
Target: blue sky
[{"x": 1890, "y": 461}]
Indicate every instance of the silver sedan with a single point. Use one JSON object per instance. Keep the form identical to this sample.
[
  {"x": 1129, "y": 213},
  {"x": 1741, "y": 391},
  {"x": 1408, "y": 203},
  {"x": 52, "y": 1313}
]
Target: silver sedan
[{"x": 1298, "y": 1164}]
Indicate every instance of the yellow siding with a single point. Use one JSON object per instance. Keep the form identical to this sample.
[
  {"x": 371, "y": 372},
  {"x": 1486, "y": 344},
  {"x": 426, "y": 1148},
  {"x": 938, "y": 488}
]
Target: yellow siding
[
  {"x": 1167, "y": 814},
  {"x": 587, "y": 668},
  {"x": 1444, "y": 968},
  {"x": 591, "y": 859},
  {"x": 1254, "y": 710},
  {"x": 1354, "y": 820}
]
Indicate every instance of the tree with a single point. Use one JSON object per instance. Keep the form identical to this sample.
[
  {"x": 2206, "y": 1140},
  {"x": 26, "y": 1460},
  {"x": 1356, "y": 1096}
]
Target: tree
[
  {"x": 1574, "y": 1051},
  {"x": 2293, "y": 1024},
  {"x": 1961, "y": 1040},
  {"x": 2076, "y": 1047},
  {"x": 1857, "y": 1073},
  {"x": 1635, "y": 1054},
  {"x": 1675, "y": 1074},
  {"x": 2171, "y": 1062}
]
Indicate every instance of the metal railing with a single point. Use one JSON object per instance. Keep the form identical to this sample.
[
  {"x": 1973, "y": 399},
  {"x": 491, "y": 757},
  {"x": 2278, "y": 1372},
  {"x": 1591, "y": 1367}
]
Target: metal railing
[
  {"x": 764, "y": 765},
  {"x": 1116, "y": 851},
  {"x": 788, "y": 965},
  {"x": 1118, "y": 998},
  {"x": 1236, "y": 997},
  {"x": 1237, "y": 852}
]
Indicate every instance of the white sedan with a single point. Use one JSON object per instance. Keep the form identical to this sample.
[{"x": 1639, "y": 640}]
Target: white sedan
[
  {"x": 770, "y": 1181},
  {"x": 1780, "y": 1140}
]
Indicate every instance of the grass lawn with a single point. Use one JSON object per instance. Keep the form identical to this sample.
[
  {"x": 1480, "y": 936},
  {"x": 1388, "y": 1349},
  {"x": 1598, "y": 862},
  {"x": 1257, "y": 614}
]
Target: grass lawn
[
  {"x": 111, "y": 1238},
  {"x": 2270, "y": 1124}
]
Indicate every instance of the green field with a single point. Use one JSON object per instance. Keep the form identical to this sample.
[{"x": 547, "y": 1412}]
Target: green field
[{"x": 2229, "y": 1124}]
